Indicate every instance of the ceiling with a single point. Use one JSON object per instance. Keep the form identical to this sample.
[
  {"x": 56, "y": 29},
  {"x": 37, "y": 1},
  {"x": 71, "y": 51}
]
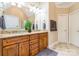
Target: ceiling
[{"x": 64, "y": 4}]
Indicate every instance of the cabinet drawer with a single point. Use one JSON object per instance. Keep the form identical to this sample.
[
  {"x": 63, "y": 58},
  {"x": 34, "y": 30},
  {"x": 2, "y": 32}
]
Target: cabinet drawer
[
  {"x": 34, "y": 36},
  {"x": 23, "y": 38},
  {"x": 34, "y": 46},
  {"x": 34, "y": 41},
  {"x": 44, "y": 34},
  {"x": 10, "y": 41},
  {"x": 34, "y": 52},
  {"x": 14, "y": 40}
]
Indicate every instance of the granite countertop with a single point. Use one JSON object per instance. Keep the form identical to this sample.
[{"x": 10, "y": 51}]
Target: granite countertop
[{"x": 19, "y": 34}]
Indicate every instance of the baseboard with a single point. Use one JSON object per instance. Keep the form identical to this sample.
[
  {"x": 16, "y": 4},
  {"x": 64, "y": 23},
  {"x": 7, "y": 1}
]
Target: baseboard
[{"x": 52, "y": 45}]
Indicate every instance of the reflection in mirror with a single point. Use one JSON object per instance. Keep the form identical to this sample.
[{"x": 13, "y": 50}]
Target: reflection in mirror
[
  {"x": 11, "y": 22},
  {"x": 18, "y": 12},
  {"x": 15, "y": 13}
]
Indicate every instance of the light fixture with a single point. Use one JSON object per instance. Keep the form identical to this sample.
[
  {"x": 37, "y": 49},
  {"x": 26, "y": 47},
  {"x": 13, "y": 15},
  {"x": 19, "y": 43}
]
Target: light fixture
[
  {"x": 18, "y": 5},
  {"x": 13, "y": 3}
]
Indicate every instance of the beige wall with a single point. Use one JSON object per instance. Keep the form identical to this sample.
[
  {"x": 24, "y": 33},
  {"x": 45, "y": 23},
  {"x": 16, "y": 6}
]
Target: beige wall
[
  {"x": 52, "y": 11},
  {"x": 62, "y": 10},
  {"x": 52, "y": 16},
  {"x": 74, "y": 7},
  {"x": 70, "y": 9}
]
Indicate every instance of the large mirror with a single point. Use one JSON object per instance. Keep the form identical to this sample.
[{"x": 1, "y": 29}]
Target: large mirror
[{"x": 16, "y": 13}]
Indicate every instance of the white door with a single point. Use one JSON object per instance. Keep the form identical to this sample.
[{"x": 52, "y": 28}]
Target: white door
[
  {"x": 74, "y": 28},
  {"x": 63, "y": 28}
]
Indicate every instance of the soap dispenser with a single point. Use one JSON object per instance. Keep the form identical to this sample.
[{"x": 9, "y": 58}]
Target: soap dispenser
[
  {"x": 44, "y": 25},
  {"x": 2, "y": 22}
]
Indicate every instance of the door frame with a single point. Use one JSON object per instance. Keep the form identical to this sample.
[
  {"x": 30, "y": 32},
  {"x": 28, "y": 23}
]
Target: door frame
[{"x": 68, "y": 25}]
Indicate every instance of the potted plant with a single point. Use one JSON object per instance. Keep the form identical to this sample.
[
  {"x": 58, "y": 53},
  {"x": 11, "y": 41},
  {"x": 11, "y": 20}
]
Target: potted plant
[{"x": 27, "y": 25}]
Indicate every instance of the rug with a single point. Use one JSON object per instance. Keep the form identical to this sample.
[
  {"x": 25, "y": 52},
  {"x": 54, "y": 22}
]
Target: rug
[{"x": 47, "y": 52}]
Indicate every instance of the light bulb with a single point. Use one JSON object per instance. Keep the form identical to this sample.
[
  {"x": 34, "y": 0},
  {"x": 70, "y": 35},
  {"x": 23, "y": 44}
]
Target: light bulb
[
  {"x": 13, "y": 3},
  {"x": 19, "y": 5}
]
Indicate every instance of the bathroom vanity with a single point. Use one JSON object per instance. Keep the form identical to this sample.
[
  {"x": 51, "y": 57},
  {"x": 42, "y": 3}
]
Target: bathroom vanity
[{"x": 23, "y": 44}]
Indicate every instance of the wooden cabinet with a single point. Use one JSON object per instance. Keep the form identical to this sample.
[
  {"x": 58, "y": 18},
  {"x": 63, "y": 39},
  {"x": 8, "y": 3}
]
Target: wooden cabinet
[
  {"x": 34, "y": 44},
  {"x": 24, "y": 49},
  {"x": 11, "y": 50},
  {"x": 34, "y": 52},
  {"x": 10, "y": 47},
  {"x": 34, "y": 49},
  {"x": 43, "y": 42},
  {"x": 24, "y": 45},
  {"x": 14, "y": 40},
  {"x": 10, "y": 41},
  {"x": 0, "y": 47}
]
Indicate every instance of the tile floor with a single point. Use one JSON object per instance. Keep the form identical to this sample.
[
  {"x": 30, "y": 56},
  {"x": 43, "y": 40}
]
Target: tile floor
[{"x": 64, "y": 49}]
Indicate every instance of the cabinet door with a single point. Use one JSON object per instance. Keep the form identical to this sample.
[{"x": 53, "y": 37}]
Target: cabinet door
[
  {"x": 0, "y": 47},
  {"x": 45, "y": 38},
  {"x": 34, "y": 52},
  {"x": 43, "y": 41},
  {"x": 34, "y": 49},
  {"x": 11, "y": 50},
  {"x": 41, "y": 44},
  {"x": 24, "y": 49}
]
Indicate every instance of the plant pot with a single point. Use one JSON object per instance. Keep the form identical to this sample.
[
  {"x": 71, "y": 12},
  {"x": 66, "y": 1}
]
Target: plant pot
[{"x": 29, "y": 30}]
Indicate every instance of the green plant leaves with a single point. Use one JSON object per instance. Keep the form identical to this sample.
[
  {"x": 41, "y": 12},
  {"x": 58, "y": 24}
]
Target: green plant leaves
[{"x": 27, "y": 25}]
